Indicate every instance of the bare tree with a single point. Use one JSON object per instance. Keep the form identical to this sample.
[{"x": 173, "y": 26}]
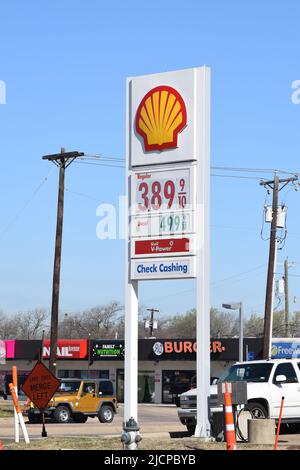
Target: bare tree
[
  {"x": 278, "y": 324},
  {"x": 254, "y": 326},
  {"x": 294, "y": 324},
  {"x": 223, "y": 324},
  {"x": 8, "y": 326},
  {"x": 69, "y": 327},
  {"x": 30, "y": 325},
  {"x": 97, "y": 322}
]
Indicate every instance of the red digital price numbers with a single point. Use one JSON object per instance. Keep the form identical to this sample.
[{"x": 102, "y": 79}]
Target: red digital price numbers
[{"x": 162, "y": 191}]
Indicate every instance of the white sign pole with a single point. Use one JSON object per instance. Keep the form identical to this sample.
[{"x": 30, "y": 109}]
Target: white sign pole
[{"x": 203, "y": 257}]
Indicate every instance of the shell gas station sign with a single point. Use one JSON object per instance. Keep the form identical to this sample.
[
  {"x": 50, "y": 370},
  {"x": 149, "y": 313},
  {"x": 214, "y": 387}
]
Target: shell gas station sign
[
  {"x": 160, "y": 117},
  {"x": 165, "y": 145},
  {"x": 167, "y": 219},
  {"x": 164, "y": 117}
]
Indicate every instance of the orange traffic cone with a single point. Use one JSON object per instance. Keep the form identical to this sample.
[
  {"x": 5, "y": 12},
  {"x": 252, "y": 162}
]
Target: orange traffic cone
[{"x": 229, "y": 421}]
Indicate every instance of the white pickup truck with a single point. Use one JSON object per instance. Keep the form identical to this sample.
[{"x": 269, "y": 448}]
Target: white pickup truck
[{"x": 267, "y": 382}]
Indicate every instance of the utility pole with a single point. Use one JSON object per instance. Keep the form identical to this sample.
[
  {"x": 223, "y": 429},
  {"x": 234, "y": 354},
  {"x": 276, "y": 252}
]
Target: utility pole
[
  {"x": 270, "y": 278},
  {"x": 151, "y": 323},
  {"x": 286, "y": 297},
  {"x": 268, "y": 321},
  {"x": 62, "y": 160}
]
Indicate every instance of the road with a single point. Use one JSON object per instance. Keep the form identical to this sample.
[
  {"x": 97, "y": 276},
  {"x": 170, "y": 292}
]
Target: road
[{"x": 155, "y": 421}]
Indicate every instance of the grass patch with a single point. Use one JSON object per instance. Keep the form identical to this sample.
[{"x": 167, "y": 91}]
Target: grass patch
[
  {"x": 62, "y": 443},
  {"x": 6, "y": 410},
  {"x": 90, "y": 443}
]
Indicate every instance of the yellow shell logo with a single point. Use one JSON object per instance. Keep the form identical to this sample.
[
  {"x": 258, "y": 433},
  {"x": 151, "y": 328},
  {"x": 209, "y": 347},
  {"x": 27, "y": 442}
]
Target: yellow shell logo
[
  {"x": 274, "y": 351},
  {"x": 160, "y": 117}
]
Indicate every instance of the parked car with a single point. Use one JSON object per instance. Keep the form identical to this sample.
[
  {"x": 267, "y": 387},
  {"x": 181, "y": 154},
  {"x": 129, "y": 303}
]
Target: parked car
[
  {"x": 79, "y": 399},
  {"x": 213, "y": 381},
  {"x": 267, "y": 381},
  {"x": 192, "y": 385}
]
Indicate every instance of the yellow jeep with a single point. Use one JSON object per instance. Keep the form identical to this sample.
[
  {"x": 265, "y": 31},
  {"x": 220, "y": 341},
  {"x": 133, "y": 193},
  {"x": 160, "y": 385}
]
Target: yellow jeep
[{"x": 79, "y": 399}]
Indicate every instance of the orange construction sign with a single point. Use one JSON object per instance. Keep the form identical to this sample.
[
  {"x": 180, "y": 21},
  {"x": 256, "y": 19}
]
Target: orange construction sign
[{"x": 40, "y": 385}]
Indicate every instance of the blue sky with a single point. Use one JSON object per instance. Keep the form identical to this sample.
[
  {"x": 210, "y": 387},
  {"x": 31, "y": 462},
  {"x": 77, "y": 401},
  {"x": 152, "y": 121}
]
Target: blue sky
[{"x": 65, "y": 66}]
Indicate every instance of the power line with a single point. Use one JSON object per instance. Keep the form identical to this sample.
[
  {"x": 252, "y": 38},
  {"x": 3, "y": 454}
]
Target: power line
[
  {"x": 105, "y": 164},
  {"x": 223, "y": 168},
  {"x": 231, "y": 227},
  {"x": 238, "y": 177},
  {"x": 240, "y": 274},
  {"x": 82, "y": 195},
  {"x": 20, "y": 211},
  {"x": 99, "y": 156},
  {"x": 254, "y": 170},
  {"x": 212, "y": 283},
  {"x": 99, "y": 164}
]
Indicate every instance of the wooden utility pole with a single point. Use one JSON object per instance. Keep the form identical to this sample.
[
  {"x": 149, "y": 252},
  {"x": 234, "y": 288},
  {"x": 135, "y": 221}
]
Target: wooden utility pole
[
  {"x": 270, "y": 277},
  {"x": 268, "y": 322},
  {"x": 286, "y": 297},
  {"x": 62, "y": 160}
]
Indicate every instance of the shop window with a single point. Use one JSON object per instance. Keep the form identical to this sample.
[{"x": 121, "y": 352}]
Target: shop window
[
  {"x": 103, "y": 374},
  {"x": 21, "y": 379},
  {"x": 120, "y": 386},
  {"x": 146, "y": 386},
  {"x": 63, "y": 374}
]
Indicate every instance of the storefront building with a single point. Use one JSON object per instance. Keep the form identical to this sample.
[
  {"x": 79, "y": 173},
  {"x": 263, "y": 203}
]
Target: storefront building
[{"x": 166, "y": 366}]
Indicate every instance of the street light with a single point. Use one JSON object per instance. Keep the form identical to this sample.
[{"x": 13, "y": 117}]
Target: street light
[
  {"x": 238, "y": 306},
  {"x": 89, "y": 354}
]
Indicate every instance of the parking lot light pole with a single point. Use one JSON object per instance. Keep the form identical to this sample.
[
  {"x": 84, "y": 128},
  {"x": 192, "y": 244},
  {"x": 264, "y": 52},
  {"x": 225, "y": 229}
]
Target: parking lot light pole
[
  {"x": 238, "y": 306},
  {"x": 89, "y": 354}
]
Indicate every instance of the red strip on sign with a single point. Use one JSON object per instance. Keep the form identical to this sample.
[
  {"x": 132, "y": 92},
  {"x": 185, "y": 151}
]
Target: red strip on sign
[{"x": 169, "y": 245}]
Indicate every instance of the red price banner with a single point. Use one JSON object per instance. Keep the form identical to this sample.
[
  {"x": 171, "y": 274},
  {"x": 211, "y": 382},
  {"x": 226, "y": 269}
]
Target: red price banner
[{"x": 162, "y": 246}]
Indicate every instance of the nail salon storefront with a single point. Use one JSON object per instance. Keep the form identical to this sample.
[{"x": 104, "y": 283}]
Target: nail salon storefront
[{"x": 166, "y": 367}]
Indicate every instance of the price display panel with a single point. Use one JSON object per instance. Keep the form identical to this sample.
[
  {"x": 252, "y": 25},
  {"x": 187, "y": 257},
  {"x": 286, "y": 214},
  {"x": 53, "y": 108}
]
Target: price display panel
[
  {"x": 163, "y": 223},
  {"x": 163, "y": 190}
]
